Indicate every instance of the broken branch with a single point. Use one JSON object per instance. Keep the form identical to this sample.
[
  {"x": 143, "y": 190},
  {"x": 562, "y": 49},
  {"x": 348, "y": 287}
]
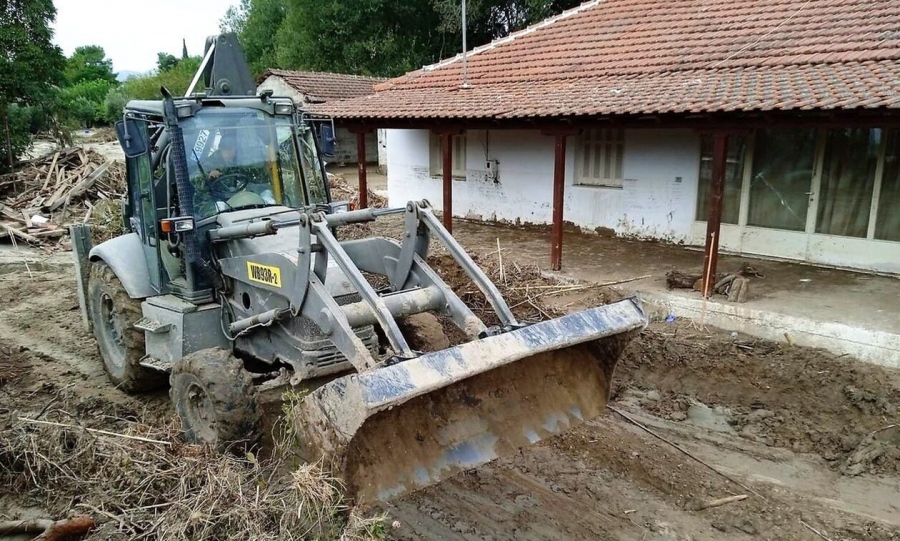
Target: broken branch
[{"x": 720, "y": 502}]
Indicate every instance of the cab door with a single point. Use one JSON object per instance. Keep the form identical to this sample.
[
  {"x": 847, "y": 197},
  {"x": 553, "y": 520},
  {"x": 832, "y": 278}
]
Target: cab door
[{"x": 142, "y": 201}]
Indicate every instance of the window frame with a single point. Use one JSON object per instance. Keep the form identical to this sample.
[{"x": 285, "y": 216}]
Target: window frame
[
  {"x": 606, "y": 142},
  {"x": 436, "y": 156}
]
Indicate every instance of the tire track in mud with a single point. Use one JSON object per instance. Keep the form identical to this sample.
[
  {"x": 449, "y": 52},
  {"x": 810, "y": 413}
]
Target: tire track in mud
[
  {"x": 537, "y": 494},
  {"x": 504, "y": 502},
  {"x": 42, "y": 315}
]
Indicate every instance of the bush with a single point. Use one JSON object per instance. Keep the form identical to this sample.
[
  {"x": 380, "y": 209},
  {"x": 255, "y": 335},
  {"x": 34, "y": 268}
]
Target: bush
[
  {"x": 84, "y": 101},
  {"x": 175, "y": 79},
  {"x": 114, "y": 104}
]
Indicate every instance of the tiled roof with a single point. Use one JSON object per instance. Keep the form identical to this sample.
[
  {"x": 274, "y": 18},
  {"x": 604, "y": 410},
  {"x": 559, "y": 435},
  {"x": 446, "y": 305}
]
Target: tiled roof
[
  {"x": 664, "y": 56},
  {"x": 319, "y": 85}
]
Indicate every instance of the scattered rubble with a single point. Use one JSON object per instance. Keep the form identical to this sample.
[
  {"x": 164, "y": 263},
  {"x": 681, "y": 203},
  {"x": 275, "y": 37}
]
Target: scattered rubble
[
  {"x": 342, "y": 191},
  {"x": 47, "y": 194},
  {"x": 734, "y": 285}
]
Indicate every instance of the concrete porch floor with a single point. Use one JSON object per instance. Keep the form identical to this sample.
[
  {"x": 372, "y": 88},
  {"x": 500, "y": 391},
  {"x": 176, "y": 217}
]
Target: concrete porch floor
[{"x": 848, "y": 313}]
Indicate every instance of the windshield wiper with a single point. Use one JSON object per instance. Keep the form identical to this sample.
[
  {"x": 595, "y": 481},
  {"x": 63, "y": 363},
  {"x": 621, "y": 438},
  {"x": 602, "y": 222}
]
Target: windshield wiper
[{"x": 199, "y": 165}]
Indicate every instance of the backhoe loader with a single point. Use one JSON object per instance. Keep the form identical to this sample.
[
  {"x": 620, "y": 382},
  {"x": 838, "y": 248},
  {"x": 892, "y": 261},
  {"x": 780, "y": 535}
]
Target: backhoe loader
[{"x": 231, "y": 281}]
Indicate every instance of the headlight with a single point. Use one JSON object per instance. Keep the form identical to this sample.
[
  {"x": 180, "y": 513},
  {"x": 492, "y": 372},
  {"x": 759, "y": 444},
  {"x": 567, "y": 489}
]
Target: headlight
[{"x": 283, "y": 108}]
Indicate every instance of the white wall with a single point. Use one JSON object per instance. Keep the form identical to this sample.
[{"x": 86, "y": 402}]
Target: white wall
[
  {"x": 280, "y": 89},
  {"x": 651, "y": 204}
]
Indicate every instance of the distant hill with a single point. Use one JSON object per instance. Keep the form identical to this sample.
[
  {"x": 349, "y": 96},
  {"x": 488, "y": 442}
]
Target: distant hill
[{"x": 124, "y": 75}]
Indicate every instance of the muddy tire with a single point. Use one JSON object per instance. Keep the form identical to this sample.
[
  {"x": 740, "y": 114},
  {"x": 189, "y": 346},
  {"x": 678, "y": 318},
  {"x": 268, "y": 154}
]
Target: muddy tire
[
  {"x": 423, "y": 332},
  {"x": 216, "y": 400},
  {"x": 114, "y": 314}
]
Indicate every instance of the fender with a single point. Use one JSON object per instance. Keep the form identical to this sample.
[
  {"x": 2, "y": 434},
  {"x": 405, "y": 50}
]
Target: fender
[{"x": 125, "y": 256}]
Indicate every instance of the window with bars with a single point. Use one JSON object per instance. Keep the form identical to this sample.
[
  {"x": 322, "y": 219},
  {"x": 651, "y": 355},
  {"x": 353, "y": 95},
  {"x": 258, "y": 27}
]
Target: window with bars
[
  {"x": 599, "y": 158},
  {"x": 437, "y": 156}
]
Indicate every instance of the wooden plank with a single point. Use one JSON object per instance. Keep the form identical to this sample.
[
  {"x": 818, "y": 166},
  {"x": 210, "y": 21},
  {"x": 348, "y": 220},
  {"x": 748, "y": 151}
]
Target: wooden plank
[
  {"x": 50, "y": 170},
  {"x": 11, "y": 214},
  {"x": 58, "y": 197},
  {"x": 86, "y": 182},
  {"x": 21, "y": 234}
]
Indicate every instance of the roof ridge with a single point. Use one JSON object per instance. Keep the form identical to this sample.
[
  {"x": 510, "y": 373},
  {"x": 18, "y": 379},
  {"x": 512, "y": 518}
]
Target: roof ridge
[
  {"x": 307, "y": 72},
  {"x": 511, "y": 37}
]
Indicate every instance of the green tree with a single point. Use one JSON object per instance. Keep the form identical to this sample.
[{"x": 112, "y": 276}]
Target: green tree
[
  {"x": 165, "y": 61},
  {"x": 83, "y": 102},
  {"x": 255, "y": 22},
  {"x": 89, "y": 63},
  {"x": 369, "y": 37},
  {"x": 487, "y": 20},
  {"x": 235, "y": 18},
  {"x": 29, "y": 65}
]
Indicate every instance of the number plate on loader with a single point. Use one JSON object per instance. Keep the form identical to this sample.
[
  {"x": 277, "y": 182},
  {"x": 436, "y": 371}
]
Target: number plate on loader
[{"x": 264, "y": 274}]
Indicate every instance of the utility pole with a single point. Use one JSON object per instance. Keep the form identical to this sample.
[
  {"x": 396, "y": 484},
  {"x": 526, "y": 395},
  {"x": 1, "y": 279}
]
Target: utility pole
[{"x": 465, "y": 66}]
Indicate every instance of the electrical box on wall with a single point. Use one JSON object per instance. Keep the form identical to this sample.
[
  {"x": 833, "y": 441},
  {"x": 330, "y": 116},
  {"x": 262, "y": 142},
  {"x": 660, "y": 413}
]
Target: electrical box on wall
[{"x": 493, "y": 169}]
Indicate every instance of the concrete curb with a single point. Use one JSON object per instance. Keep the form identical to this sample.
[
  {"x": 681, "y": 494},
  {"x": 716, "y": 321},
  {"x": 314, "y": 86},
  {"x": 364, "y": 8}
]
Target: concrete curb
[{"x": 870, "y": 346}]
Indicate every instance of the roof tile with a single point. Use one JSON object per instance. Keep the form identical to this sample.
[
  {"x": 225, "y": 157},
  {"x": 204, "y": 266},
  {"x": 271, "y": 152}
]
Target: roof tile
[
  {"x": 647, "y": 56},
  {"x": 323, "y": 86}
]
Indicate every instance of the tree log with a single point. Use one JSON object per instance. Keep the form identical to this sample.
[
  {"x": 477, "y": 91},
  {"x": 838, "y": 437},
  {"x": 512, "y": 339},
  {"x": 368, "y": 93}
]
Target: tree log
[{"x": 49, "y": 530}]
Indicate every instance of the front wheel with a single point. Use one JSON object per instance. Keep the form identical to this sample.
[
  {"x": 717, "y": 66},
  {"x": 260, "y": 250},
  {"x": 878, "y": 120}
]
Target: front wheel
[
  {"x": 113, "y": 314},
  {"x": 216, "y": 400}
]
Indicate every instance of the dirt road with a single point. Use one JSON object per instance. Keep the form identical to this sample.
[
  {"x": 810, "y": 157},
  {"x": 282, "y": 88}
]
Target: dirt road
[{"x": 812, "y": 440}]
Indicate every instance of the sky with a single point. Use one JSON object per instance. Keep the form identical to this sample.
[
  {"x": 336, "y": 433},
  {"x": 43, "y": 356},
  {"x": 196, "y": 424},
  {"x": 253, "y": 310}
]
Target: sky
[{"x": 133, "y": 32}]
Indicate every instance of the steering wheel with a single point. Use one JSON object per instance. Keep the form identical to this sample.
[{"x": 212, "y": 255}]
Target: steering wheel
[{"x": 226, "y": 185}]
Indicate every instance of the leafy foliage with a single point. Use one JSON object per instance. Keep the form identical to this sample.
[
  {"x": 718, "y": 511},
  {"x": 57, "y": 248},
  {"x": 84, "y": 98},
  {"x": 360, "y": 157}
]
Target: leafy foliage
[
  {"x": 29, "y": 64},
  {"x": 89, "y": 63},
  {"x": 114, "y": 104},
  {"x": 257, "y": 35},
  {"x": 372, "y": 37},
  {"x": 165, "y": 61},
  {"x": 176, "y": 80},
  {"x": 491, "y": 19}
]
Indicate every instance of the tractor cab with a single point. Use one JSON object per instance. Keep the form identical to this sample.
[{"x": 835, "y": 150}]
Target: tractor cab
[{"x": 236, "y": 154}]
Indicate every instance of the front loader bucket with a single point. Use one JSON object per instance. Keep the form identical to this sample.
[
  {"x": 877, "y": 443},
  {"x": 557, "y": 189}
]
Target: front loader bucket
[{"x": 406, "y": 426}]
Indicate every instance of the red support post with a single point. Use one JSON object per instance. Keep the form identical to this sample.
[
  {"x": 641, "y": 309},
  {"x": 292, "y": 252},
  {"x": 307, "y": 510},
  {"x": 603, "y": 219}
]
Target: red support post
[
  {"x": 361, "y": 163},
  {"x": 559, "y": 177},
  {"x": 447, "y": 147},
  {"x": 714, "y": 220}
]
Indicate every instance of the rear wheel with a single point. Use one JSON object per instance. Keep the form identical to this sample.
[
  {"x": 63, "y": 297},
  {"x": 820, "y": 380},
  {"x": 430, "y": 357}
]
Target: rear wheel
[
  {"x": 216, "y": 400},
  {"x": 113, "y": 314}
]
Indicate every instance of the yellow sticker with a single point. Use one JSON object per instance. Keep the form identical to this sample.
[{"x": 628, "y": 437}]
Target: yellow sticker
[{"x": 271, "y": 276}]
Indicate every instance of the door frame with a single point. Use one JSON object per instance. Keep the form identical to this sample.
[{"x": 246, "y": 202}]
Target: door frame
[{"x": 808, "y": 246}]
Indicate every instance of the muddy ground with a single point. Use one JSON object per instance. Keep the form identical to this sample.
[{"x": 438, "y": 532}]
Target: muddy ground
[{"x": 811, "y": 439}]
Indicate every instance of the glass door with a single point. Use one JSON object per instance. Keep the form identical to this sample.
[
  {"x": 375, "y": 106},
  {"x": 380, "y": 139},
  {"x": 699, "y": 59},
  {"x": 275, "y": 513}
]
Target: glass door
[{"x": 780, "y": 193}]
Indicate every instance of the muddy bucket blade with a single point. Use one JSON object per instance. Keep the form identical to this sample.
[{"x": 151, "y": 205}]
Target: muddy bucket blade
[{"x": 406, "y": 426}]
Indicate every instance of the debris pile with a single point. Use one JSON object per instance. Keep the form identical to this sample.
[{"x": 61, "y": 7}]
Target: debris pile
[
  {"x": 136, "y": 481},
  {"x": 341, "y": 191},
  {"x": 45, "y": 195},
  {"x": 734, "y": 285}
]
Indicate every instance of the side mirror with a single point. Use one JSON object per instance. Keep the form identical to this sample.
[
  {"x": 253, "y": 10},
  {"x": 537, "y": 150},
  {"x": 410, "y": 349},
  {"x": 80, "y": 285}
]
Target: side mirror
[
  {"x": 326, "y": 137},
  {"x": 132, "y": 138}
]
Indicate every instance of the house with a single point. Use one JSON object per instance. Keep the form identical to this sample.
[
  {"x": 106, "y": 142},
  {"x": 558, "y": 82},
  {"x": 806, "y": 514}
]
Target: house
[
  {"x": 767, "y": 127},
  {"x": 310, "y": 87}
]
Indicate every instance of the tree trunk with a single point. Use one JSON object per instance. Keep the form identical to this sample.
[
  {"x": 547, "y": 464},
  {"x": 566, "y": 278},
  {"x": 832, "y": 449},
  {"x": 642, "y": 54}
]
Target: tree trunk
[{"x": 9, "y": 155}]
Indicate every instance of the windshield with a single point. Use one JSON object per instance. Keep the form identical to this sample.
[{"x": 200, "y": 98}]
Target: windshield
[{"x": 243, "y": 158}]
